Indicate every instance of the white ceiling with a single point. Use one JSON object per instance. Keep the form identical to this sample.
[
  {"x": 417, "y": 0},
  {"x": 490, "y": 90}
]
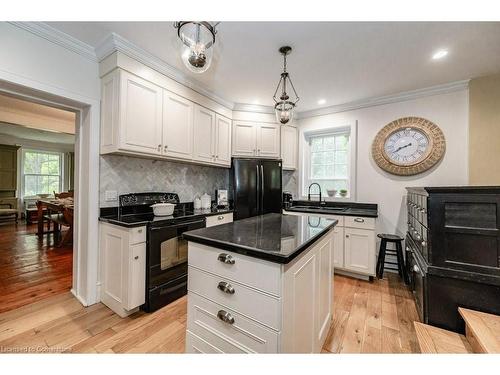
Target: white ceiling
[
  {"x": 336, "y": 61},
  {"x": 23, "y": 132}
]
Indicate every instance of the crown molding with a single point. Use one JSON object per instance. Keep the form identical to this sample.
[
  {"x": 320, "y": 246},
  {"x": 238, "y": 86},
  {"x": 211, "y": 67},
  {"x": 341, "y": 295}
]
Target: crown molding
[
  {"x": 114, "y": 42},
  {"x": 387, "y": 99},
  {"x": 53, "y": 35},
  {"x": 243, "y": 107}
]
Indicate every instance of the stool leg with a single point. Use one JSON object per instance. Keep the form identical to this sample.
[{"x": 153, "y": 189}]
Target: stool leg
[
  {"x": 381, "y": 259},
  {"x": 399, "y": 252}
]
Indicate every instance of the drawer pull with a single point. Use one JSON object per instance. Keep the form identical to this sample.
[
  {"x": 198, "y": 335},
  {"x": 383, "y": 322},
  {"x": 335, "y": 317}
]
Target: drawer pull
[
  {"x": 136, "y": 257},
  {"x": 139, "y": 231},
  {"x": 225, "y": 317},
  {"x": 225, "y": 287},
  {"x": 359, "y": 220},
  {"x": 226, "y": 258},
  {"x": 220, "y": 217}
]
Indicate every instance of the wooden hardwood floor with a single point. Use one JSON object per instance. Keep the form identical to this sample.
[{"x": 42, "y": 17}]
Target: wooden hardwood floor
[
  {"x": 368, "y": 318},
  {"x": 31, "y": 269}
]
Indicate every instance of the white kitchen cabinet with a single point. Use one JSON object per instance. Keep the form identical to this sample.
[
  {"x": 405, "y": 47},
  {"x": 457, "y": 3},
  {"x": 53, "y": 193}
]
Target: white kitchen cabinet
[
  {"x": 359, "y": 249},
  {"x": 142, "y": 119},
  {"x": 252, "y": 139},
  {"x": 287, "y": 309},
  {"x": 204, "y": 134},
  {"x": 354, "y": 244},
  {"x": 222, "y": 140},
  {"x": 244, "y": 138},
  {"x": 131, "y": 114},
  {"x": 177, "y": 126},
  {"x": 268, "y": 140},
  {"x": 338, "y": 247},
  {"x": 123, "y": 267},
  {"x": 289, "y": 147}
]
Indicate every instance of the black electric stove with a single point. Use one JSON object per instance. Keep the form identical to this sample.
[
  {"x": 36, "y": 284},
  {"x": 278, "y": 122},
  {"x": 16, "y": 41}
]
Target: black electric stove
[{"x": 166, "y": 249}]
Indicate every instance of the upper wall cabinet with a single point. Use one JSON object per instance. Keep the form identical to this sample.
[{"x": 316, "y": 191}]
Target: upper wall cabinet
[
  {"x": 143, "y": 119},
  {"x": 177, "y": 126},
  {"x": 252, "y": 139},
  {"x": 131, "y": 114},
  {"x": 289, "y": 146}
]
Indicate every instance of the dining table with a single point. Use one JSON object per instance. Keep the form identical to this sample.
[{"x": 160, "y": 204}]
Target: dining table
[{"x": 59, "y": 211}]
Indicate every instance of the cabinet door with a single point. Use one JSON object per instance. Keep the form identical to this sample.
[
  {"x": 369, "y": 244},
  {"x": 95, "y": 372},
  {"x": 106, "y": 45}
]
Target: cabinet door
[
  {"x": 268, "y": 141},
  {"x": 136, "y": 291},
  {"x": 289, "y": 147},
  {"x": 244, "y": 138},
  {"x": 223, "y": 140},
  {"x": 204, "y": 134},
  {"x": 140, "y": 123},
  {"x": 177, "y": 126},
  {"x": 323, "y": 293},
  {"x": 359, "y": 250},
  {"x": 338, "y": 247},
  {"x": 8, "y": 168}
]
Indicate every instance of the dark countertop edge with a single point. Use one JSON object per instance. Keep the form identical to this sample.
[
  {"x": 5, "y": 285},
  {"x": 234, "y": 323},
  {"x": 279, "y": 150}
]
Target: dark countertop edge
[
  {"x": 357, "y": 212},
  {"x": 112, "y": 220},
  {"x": 256, "y": 253},
  {"x": 456, "y": 189}
]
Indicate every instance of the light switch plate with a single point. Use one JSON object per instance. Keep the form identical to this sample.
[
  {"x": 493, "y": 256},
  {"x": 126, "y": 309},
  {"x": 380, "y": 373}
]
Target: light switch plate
[{"x": 110, "y": 195}]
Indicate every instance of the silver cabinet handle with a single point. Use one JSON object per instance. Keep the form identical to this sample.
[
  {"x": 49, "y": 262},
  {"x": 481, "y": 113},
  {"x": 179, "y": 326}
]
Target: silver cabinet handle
[
  {"x": 415, "y": 268},
  {"x": 226, "y": 258},
  {"x": 225, "y": 317},
  {"x": 139, "y": 231},
  {"x": 225, "y": 287},
  {"x": 220, "y": 217},
  {"x": 359, "y": 220},
  {"x": 136, "y": 257}
]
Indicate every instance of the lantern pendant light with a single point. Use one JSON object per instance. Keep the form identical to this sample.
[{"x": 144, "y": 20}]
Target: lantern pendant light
[
  {"x": 198, "y": 38},
  {"x": 284, "y": 106}
]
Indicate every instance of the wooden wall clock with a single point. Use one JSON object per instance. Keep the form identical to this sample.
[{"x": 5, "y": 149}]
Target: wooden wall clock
[{"x": 408, "y": 146}]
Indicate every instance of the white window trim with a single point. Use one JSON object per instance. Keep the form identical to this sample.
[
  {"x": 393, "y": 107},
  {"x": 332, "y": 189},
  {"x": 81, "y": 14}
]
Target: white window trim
[
  {"x": 304, "y": 155},
  {"x": 41, "y": 150}
]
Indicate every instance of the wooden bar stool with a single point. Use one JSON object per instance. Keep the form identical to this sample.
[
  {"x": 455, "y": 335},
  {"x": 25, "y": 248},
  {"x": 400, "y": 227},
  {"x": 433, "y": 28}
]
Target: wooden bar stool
[{"x": 386, "y": 238}]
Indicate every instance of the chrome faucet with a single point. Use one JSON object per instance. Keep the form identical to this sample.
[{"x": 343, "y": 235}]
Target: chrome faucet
[{"x": 309, "y": 191}]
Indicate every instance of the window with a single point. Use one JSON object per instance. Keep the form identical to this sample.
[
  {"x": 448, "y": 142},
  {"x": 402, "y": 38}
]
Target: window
[
  {"x": 328, "y": 162},
  {"x": 42, "y": 172}
]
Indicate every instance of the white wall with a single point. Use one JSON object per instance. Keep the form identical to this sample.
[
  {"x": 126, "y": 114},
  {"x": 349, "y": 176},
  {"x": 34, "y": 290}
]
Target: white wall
[
  {"x": 449, "y": 111},
  {"x": 32, "y": 66}
]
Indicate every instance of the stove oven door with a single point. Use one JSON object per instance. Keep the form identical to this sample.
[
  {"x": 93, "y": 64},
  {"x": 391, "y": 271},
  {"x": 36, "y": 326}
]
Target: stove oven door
[{"x": 166, "y": 262}]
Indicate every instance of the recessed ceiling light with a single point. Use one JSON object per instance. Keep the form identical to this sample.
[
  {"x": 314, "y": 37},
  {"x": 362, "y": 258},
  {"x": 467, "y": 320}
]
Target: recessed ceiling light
[
  {"x": 439, "y": 54},
  {"x": 321, "y": 101}
]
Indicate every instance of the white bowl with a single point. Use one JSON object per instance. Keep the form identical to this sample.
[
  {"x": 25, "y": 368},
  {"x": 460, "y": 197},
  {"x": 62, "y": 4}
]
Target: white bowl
[
  {"x": 163, "y": 209},
  {"x": 331, "y": 193}
]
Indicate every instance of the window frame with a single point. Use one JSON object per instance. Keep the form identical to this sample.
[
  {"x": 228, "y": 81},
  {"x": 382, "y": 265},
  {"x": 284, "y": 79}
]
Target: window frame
[
  {"x": 305, "y": 166},
  {"x": 41, "y": 151}
]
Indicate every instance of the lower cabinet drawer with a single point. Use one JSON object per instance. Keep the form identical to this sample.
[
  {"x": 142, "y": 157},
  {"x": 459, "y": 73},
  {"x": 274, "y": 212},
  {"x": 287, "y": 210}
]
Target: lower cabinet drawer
[
  {"x": 219, "y": 219},
  {"x": 237, "y": 334},
  {"x": 238, "y": 297},
  {"x": 194, "y": 344},
  {"x": 359, "y": 222},
  {"x": 258, "y": 273}
]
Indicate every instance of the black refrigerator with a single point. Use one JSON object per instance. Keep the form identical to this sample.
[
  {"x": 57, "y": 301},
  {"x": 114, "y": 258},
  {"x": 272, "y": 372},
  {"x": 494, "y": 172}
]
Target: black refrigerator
[{"x": 256, "y": 187}]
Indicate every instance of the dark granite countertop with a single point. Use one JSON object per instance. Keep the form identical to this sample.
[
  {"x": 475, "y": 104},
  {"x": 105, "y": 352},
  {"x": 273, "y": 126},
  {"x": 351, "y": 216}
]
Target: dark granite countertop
[
  {"x": 133, "y": 221},
  {"x": 336, "y": 208},
  {"x": 274, "y": 237}
]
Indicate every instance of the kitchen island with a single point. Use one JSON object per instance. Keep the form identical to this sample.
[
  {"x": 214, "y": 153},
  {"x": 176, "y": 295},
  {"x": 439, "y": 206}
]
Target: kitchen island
[{"x": 260, "y": 285}]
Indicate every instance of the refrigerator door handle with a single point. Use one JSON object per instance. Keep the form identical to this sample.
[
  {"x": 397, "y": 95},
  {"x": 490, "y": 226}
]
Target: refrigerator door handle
[
  {"x": 262, "y": 189},
  {"x": 258, "y": 190}
]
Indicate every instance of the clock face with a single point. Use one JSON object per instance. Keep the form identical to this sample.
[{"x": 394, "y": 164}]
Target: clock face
[{"x": 407, "y": 146}]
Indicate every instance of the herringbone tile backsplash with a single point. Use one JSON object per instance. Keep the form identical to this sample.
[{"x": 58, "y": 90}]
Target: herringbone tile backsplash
[{"x": 132, "y": 175}]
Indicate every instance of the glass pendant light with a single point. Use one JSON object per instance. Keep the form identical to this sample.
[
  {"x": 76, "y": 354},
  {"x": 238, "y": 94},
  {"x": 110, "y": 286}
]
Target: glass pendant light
[
  {"x": 197, "y": 38},
  {"x": 284, "y": 107}
]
